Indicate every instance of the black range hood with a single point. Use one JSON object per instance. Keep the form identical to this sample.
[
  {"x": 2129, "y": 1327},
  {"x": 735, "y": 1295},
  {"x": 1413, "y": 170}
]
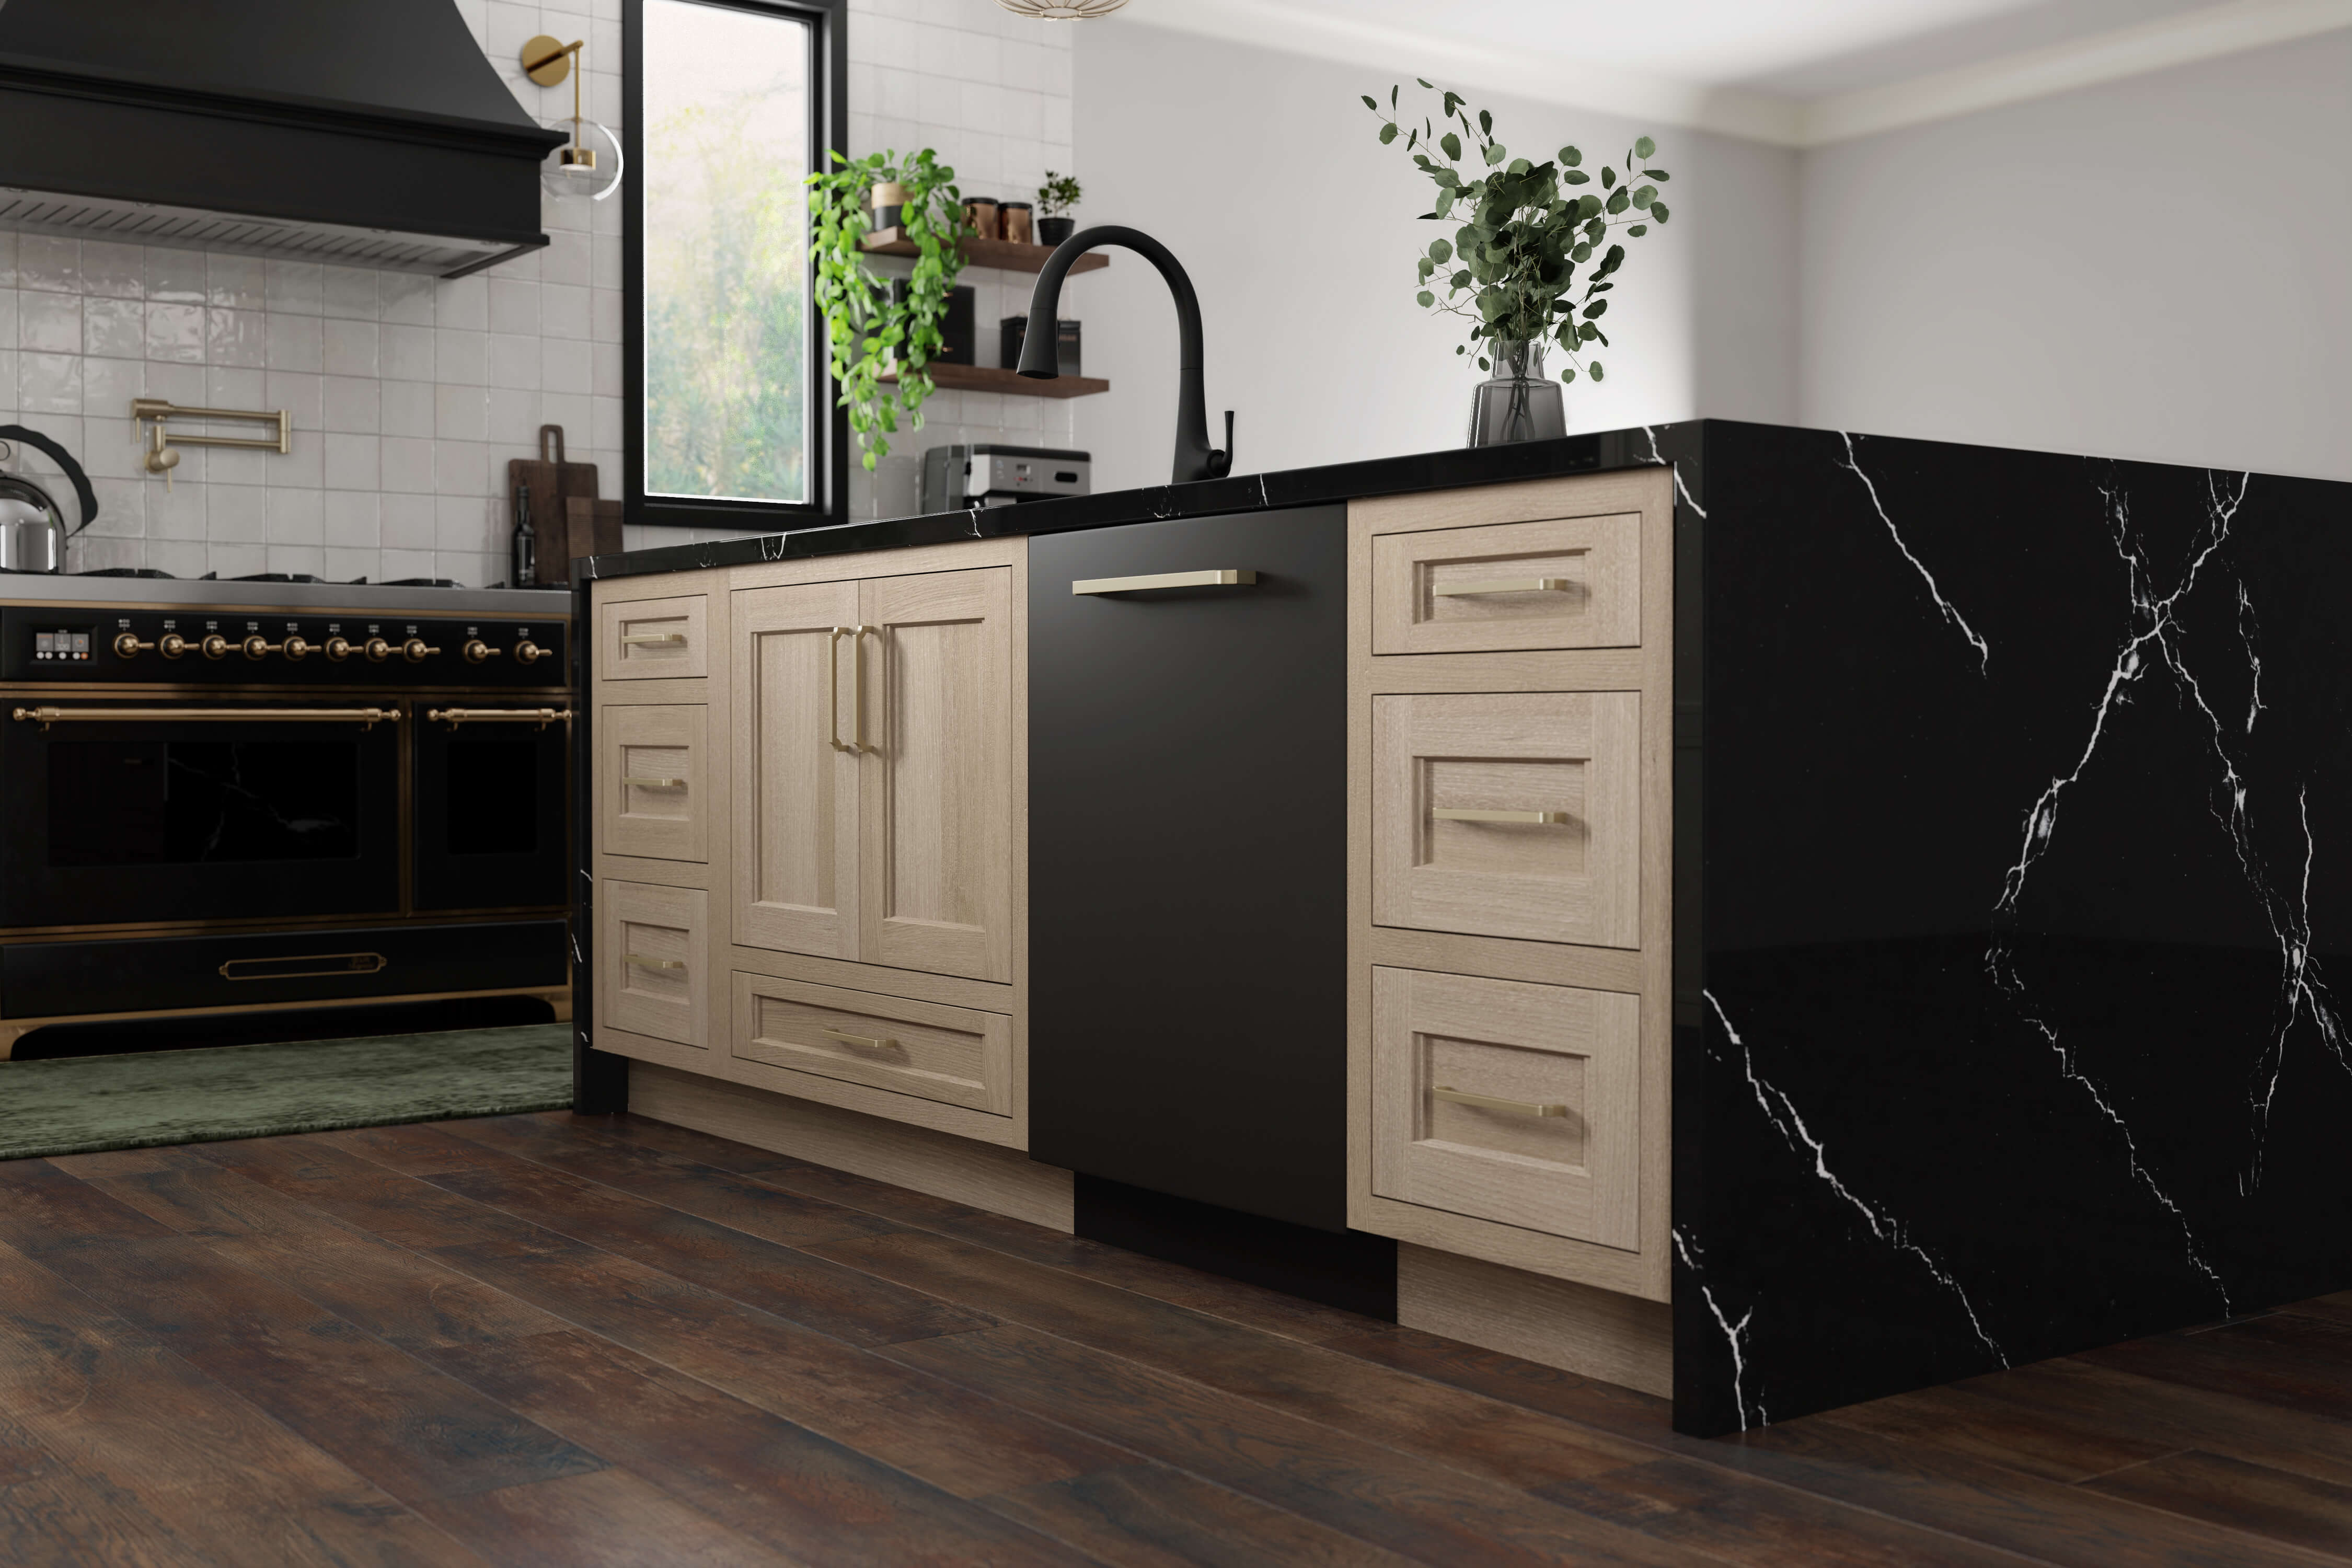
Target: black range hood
[{"x": 364, "y": 133}]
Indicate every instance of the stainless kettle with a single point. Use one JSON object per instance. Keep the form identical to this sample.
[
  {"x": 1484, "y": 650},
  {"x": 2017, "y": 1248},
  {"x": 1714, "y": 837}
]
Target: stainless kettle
[{"x": 32, "y": 530}]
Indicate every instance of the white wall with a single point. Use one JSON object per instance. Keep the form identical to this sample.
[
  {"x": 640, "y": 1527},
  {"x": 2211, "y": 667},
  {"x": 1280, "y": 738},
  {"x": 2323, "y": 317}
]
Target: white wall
[
  {"x": 1261, "y": 171},
  {"x": 2158, "y": 268}
]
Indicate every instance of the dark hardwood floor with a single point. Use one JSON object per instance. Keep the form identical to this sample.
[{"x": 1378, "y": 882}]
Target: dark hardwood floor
[{"x": 559, "y": 1339}]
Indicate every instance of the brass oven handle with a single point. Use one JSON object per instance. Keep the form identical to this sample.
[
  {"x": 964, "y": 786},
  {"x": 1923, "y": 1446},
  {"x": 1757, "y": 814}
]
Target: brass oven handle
[
  {"x": 1488, "y": 1102},
  {"x": 1229, "y": 577},
  {"x": 337, "y": 963},
  {"x": 653, "y": 783},
  {"x": 1505, "y": 585},
  {"x": 46, "y": 717},
  {"x": 642, "y": 962},
  {"x": 653, "y": 639},
  {"x": 1452, "y": 814},
  {"x": 867, "y": 1041},
  {"x": 542, "y": 717}
]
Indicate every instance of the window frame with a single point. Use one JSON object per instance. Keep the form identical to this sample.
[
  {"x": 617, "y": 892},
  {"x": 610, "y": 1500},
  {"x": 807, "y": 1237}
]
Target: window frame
[{"x": 828, "y": 22}]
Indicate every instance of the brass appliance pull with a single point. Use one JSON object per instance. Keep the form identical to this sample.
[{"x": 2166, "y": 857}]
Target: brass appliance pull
[
  {"x": 370, "y": 717},
  {"x": 1543, "y": 818},
  {"x": 542, "y": 717},
  {"x": 867, "y": 1041},
  {"x": 1488, "y": 1102},
  {"x": 653, "y": 639},
  {"x": 1228, "y": 577},
  {"x": 322, "y": 964},
  {"x": 654, "y": 784},
  {"x": 642, "y": 962},
  {"x": 1505, "y": 585}
]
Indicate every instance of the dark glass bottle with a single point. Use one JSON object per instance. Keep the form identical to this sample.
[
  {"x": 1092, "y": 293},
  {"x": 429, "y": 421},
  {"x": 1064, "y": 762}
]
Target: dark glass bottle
[{"x": 524, "y": 570}]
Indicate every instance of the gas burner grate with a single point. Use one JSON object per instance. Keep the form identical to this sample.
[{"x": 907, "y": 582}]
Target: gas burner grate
[
  {"x": 278, "y": 577},
  {"x": 421, "y": 583},
  {"x": 123, "y": 571}
]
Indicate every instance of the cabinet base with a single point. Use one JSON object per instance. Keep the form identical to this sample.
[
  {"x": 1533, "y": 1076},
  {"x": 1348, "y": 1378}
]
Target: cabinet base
[
  {"x": 1352, "y": 1269},
  {"x": 1578, "y": 1328}
]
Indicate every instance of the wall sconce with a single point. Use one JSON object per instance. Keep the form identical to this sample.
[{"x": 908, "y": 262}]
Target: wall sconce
[{"x": 590, "y": 164}]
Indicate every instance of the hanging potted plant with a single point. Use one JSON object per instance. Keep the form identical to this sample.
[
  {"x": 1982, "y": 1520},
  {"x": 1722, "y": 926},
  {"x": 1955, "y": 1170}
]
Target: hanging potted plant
[
  {"x": 1055, "y": 197},
  {"x": 873, "y": 330},
  {"x": 1523, "y": 231}
]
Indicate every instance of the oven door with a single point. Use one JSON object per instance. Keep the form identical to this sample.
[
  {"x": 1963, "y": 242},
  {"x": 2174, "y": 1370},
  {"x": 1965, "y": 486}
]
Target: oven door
[
  {"x": 120, "y": 813},
  {"x": 490, "y": 806}
]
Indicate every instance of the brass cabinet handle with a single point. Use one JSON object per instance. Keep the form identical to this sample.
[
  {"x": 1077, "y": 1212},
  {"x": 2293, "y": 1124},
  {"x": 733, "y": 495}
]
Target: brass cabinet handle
[
  {"x": 833, "y": 685},
  {"x": 1452, "y": 813},
  {"x": 858, "y": 685},
  {"x": 1488, "y": 1102},
  {"x": 642, "y": 962},
  {"x": 1229, "y": 577},
  {"x": 653, "y": 783},
  {"x": 867, "y": 1041},
  {"x": 542, "y": 717},
  {"x": 366, "y": 717},
  {"x": 653, "y": 639},
  {"x": 320, "y": 965},
  {"x": 1505, "y": 585}
]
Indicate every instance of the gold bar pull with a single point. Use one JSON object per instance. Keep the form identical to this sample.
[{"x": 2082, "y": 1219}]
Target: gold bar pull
[
  {"x": 866, "y": 1042},
  {"x": 654, "y": 639},
  {"x": 363, "y": 716},
  {"x": 542, "y": 717},
  {"x": 642, "y": 962},
  {"x": 1488, "y": 1102},
  {"x": 1505, "y": 585},
  {"x": 1229, "y": 577},
  {"x": 1541, "y": 818},
  {"x": 655, "y": 783},
  {"x": 309, "y": 966},
  {"x": 856, "y": 636}
]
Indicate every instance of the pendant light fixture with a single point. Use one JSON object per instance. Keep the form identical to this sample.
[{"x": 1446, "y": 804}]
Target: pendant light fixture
[
  {"x": 1062, "y": 10},
  {"x": 590, "y": 163}
]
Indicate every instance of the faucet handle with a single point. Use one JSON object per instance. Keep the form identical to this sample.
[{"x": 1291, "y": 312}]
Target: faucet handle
[{"x": 1221, "y": 462}]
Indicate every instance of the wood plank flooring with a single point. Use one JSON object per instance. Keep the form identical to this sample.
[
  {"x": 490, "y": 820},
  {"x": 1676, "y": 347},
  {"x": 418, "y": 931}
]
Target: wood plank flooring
[{"x": 588, "y": 1340}]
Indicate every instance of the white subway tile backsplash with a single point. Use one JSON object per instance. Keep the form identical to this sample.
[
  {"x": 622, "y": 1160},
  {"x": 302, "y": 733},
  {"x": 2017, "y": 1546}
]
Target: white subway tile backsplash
[
  {"x": 293, "y": 288},
  {"x": 404, "y": 298},
  {"x": 564, "y": 310},
  {"x": 407, "y": 407},
  {"x": 461, "y": 413},
  {"x": 233, "y": 283},
  {"x": 463, "y": 303},
  {"x": 299, "y": 393},
  {"x": 294, "y": 343},
  {"x": 352, "y": 462},
  {"x": 175, "y": 277},
  {"x": 352, "y": 519},
  {"x": 296, "y": 517},
  {"x": 407, "y": 464},
  {"x": 514, "y": 305},
  {"x": 50, "y": 324},
  {"x": 47, "y": 263},
  {"x": 348, "y": 347},
  {"x": 350, "y": 292},
  {"x": 405, "y": 353},
  {"x": 116, "y": 328},
  {"x": 236, "y": 514},
  {"x": 107, "y": 385},
  {"x": 351, "y": 403},
  {"x": 461, "y": 357},
  {"x": 515, "y": 360},
  {"x": 49, "y": 383},
  {"x": 235, "y": 337}
]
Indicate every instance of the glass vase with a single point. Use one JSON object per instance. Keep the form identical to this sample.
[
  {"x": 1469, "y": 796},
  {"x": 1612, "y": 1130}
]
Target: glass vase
[{"x": 1519, "y": 403}]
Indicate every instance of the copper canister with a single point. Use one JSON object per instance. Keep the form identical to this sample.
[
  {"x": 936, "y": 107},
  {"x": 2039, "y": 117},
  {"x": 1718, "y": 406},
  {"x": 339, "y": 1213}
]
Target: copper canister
[
  {"x": 1014, "y": 215},
  {"x": 980, "y": 216}
]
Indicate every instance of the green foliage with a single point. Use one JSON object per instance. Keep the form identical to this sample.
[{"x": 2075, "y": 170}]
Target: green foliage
[
  {"x": 1523, "y": 232},
  {"x": 868, "y": 331},
  {"x": 1059, "y": 194}
]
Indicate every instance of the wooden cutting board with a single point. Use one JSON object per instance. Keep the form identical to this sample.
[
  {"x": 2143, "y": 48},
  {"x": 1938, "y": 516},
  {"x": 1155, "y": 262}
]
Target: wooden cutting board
[
  {"x": 554, "y": 483},
  {"x": 591, "y": 528}
]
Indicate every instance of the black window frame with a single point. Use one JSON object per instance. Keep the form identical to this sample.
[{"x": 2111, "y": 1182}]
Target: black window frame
[{"x": 828, "y": 128}]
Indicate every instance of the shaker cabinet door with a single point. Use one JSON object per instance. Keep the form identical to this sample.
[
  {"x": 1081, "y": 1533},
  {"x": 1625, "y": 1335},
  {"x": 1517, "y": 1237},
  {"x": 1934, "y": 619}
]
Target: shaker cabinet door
[
  {"x": 935, "y": 815},
  {"x": 796, "y": 769}
]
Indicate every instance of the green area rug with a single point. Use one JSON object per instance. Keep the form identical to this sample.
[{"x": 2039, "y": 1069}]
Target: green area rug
[{"x": 81, "y": 1104}]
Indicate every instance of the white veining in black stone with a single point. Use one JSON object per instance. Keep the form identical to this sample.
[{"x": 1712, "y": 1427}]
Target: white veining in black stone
[{"x": 1950, "y": 613}]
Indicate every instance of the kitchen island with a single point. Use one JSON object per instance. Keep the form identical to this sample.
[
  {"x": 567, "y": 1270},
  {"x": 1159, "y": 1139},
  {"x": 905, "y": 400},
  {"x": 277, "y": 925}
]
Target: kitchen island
[{"x": 1770, "y": 915}]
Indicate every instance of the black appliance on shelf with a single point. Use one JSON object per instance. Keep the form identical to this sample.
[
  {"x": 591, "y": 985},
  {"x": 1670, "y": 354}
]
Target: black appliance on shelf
[{"x": 958, "y": 333}]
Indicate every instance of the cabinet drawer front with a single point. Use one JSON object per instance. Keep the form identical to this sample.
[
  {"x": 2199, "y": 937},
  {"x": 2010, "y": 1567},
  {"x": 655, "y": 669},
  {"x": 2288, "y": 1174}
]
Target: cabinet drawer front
[
  {"x": 651, "y": 639},
  {"x": 1514, "y": 816},
  {"x": 1568, "y": 583},
  {"x": 654, "y": 782},
  {"x": 1508, "y": 1101},
  {"x": 952, "y": 1054},
  {"x": 653, "y": 955}
]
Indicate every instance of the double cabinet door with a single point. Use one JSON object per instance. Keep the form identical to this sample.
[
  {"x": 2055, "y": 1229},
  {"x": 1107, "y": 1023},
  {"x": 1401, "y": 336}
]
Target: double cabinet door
[{"x": 873, "y": 772}]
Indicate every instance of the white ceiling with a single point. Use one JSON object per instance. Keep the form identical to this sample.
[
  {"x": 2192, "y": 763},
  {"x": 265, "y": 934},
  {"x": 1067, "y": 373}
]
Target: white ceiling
[{"x": 1795, "y": 71}]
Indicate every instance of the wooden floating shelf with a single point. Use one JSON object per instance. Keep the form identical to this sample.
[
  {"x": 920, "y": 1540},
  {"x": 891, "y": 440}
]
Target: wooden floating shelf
[
  {"x": 987, "y": 378},
  {"x": 1002, "y": 254}
]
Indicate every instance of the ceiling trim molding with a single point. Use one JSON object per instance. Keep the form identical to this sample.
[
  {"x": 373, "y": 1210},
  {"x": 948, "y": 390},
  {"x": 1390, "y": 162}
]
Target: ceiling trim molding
[{"x": 1753, "y": 116}]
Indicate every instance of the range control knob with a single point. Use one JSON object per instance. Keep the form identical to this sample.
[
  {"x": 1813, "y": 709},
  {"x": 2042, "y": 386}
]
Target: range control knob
[
  {"x": 529, "y": 652},
  {"x": 214, "y": 647},
  {"x": 476, "y": 650},
  {"x": 127, "y": 646},
  {"x": 415, "y": 651},
  {"x": 261, "y": 647},
  {"x": 378, "y": 650},
  {"x": 338, "y": 649},
  {"x": 171, "y": 644},
  {"x": 298, "y": 648}
]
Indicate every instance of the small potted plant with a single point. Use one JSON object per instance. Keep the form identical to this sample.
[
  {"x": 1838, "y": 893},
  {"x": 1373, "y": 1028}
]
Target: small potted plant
[
  {"x": 1523, "y": 230},
  {"x": 873, "y": 330},
  {"x": 1055, "y": 197}
]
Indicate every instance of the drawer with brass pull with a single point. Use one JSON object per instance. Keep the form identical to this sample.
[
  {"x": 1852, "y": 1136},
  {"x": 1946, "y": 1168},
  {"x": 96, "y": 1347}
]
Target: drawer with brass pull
[
  {"x": 651, "y": 639},
  {"x": 1568, "y": 583},
  {"x": 650, "y": 776},
  {"x": 653, "y": 978},
  {"x": 1507, "y": 1101},
  {"x": 953, "y": 1055}
]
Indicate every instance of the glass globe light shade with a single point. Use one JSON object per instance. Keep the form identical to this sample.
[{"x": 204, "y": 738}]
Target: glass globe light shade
[{"x": 591, "y": 167}]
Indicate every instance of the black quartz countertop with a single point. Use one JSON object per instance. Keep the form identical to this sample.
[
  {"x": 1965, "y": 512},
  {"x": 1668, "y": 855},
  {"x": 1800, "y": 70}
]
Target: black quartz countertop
[{"x": 1639, "y": 447}]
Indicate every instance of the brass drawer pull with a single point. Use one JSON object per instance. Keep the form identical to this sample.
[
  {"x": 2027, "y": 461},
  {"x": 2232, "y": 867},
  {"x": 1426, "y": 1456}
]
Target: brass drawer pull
[
  {"x": 1505, "y": 585},
  {"x": 654, "y": 639},
  {"x": 1229, "y": 577},
  {"x": 642, "y": 962},
  {"x": 310, "y": 966},
  {"x": 655, "y": 783},
  {"x": 542, "y": 717},
  {"x": 1542, "y": 818},
  {"x": 867, "y": 1041},
  {"x": 1488, "y": 1102}
]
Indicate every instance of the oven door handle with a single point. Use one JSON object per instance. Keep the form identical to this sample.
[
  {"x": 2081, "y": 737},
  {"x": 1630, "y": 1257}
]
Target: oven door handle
[
  {"x": 366, "y": 717},
  {"x": 542, "y": 717}
]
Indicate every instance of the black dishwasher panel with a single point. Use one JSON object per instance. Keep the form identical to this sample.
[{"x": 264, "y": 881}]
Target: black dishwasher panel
[{"x": 1187, "y": 808}]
